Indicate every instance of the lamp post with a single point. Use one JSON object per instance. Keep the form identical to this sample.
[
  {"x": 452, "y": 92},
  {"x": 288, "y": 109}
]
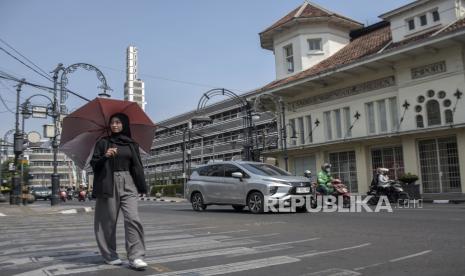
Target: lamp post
[
  {"x": 59, "y": 108},
  {"x": 245, "y": 108}
]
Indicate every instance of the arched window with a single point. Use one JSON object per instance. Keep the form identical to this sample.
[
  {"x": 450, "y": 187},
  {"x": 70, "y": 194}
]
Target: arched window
[
  {"x": 420, "y": 121},
  {"x": 433, "y": 113},
  {"x": 449, "y": 116}
]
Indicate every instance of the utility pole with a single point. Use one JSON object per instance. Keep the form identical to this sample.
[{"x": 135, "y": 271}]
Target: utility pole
[
  {"x": 56, "y": 113},
  {"x": 15, "y": 197}
]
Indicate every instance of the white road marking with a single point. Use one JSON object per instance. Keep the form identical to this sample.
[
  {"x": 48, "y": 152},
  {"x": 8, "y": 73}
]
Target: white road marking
[
  {"x": 233, "y": 267},
  {"x": 290, "y": 242},
  {"x": 2, "y": 215},
  {"x": 253, "y": 236},
  {"x": 332, "y": 251},
  {"x": 410, "y": 256},
  {"x": 333, "y": 272}
]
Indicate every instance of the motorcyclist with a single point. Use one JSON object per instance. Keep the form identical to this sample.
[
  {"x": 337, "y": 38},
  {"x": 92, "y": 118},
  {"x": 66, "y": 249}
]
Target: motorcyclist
[
  {"x": 308, "y": 174},
  {"x": 324, "y": 180},
  {"x": 382, "y": 176}
]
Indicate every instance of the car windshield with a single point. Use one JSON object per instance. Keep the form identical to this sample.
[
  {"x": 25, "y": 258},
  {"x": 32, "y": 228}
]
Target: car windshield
[
  {"x": 265, "y": 169},
  {"x": 40, "y": 189}
]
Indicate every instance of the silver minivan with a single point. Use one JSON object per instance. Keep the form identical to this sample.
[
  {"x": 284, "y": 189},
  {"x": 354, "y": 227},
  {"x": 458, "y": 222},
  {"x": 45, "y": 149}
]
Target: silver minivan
[{"x": 243, "y": 183}]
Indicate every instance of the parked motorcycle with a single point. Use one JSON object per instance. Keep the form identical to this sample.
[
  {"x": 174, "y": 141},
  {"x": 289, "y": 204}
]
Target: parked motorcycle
[
  {"x": 82, "y": 196},
  {"x": 340, "y": 189},
  {"x": 392, "y": 190}
]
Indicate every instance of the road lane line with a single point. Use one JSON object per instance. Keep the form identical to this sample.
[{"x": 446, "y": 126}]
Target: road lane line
[
  {"x": 410, "y": 256},
  {"x": 332, "y": 251},
  {"x": 282, "y": 243},
  {"x": 233, "y": 267}
]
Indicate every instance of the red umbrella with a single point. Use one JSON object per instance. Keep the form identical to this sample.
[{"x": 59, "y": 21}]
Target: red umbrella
[{"x": 83, "y": 127}]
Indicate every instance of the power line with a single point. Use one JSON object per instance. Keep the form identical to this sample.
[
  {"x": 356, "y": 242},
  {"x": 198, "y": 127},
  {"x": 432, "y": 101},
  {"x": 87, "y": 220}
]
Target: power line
[
  {"x": 3, "y": 101},
  {"x": 168, "y": 79},
  {"x": 11, "y": 47},
  {"x": 46, "y": 88},
  {"x": 14, "y": 57}
]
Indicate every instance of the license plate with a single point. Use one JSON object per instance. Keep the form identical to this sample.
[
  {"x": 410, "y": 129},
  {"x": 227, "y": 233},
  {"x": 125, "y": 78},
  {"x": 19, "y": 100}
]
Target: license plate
[{"x": 301, "y": 190}]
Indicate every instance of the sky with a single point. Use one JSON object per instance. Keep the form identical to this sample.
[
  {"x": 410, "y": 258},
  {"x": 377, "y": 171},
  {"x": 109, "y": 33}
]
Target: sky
[{"x": 186, "y": 47}]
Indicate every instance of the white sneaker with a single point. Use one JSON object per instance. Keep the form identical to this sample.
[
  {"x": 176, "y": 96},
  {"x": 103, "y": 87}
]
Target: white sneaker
[
  {"x": 114, "y": 262},
  {"x": 138, "y": 264}
]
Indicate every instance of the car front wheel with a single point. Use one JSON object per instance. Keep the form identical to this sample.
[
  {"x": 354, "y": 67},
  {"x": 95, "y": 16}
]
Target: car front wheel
[
  {"x": 255, "y": 202},
  {"x": 197, "y": 202}
]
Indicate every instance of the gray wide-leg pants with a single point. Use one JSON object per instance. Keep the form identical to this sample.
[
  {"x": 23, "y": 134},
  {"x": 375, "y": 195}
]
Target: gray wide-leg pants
[{"x": 106, "y": 217}]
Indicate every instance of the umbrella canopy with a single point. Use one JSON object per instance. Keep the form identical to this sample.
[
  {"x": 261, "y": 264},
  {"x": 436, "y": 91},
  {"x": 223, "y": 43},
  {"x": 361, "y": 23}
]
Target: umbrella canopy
[{"x": 85, "y": 126}]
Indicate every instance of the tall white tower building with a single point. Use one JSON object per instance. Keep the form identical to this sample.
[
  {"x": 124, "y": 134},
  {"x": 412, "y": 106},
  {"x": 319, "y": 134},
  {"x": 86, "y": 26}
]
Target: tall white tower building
[{"x": 134, "y": 88}]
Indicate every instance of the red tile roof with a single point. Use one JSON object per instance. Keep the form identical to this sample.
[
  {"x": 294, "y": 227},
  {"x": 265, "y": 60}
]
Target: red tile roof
[
  {"x": 356, "y": 49},
  {"x": 309, "y": 11},
  {"x": 369, "y": 43}
]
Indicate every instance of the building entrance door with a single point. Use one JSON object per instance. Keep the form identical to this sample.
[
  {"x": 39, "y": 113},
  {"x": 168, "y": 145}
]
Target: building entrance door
[{"x": 439, "y": 162}]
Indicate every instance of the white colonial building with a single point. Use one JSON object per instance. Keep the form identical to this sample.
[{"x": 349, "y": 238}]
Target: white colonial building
[{"x": 386, "y": 95}]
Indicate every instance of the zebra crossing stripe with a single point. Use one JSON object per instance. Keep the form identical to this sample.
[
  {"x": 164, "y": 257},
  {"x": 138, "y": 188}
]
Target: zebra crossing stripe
[
  {"x": 233, "y": 267},
  {"x": 2, "y": 215}
]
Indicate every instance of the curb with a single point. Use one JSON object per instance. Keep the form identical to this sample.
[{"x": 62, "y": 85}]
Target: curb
[
  {"x": 159, "y": 199},
  {"x": 444, "y": 201}
]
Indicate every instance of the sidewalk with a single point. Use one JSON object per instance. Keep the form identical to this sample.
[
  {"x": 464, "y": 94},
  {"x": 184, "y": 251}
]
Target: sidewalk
[
  {"x": 164, "y": 199},
  {"x": 34, "y": 209}
]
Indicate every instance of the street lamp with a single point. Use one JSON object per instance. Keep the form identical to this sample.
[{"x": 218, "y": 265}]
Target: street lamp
[
  {"x": 245, "y": 109},
  {"x": 60, "y": 108}
]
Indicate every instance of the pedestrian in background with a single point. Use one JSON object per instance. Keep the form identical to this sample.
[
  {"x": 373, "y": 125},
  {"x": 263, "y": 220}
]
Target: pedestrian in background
[{"x": 118, "y": 179}]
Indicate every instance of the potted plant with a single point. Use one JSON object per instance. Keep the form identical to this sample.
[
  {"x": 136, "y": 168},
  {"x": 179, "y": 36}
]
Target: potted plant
[{"x": 408, "y": 183}]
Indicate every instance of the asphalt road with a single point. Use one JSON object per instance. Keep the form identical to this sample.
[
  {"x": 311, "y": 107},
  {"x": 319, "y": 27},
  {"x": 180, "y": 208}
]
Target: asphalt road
[{"x": 220, "y": 241}]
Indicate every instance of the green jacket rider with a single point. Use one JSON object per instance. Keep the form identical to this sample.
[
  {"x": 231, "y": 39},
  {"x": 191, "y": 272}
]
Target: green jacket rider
[{"x": 324, "y": 180}]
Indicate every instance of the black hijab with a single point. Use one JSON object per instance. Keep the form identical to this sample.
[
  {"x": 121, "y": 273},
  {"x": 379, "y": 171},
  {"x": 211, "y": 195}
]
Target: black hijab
[{"x": 123, "y": 137}]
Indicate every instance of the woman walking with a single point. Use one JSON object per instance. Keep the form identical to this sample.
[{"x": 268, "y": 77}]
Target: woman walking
[{"x": 118, "y": 179}]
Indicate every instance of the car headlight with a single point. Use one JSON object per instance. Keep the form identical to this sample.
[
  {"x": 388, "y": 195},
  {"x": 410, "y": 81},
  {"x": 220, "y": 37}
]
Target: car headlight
[{"x": 273, "y": 189}]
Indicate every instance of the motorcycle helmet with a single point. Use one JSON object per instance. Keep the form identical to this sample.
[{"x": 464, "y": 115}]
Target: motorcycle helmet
[
  {"x": 326, "y": 167},
  {"x": 307, "y": 173}
]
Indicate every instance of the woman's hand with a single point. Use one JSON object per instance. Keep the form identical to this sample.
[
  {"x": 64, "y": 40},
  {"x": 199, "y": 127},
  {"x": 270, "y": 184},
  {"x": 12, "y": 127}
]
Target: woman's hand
[{"x": 111, "y": 152}]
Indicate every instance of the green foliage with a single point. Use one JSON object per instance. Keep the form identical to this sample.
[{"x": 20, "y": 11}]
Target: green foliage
[
  {"x": 167, "y": 190},
  {"x": 408, "y": 178}
]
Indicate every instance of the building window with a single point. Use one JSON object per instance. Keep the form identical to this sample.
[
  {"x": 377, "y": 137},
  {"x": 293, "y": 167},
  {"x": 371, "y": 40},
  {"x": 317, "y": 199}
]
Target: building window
[
  {"x": 435, "y": 16},
  {"x": 344, "y": 167},
  {"x": 423, "y": 20},
  {"x": 370, "y": 111},
  {"x": 419, "y": 120},
  {"x": 310, "y": 128},
  {"x": 411, "y": 24},
  {"x": 291, "y": 132},
  {"x": 382, "y": 118},
  {"x": 390, "y": 158},
  {"x": 393, "y": 112},
  {"x": 289, "y": 56},
  {"x": 449, "y": 115},
  {"x": 314, "y": 44},
  {"x": 433, "y": 113},
  {"x": 300, "y": 122},
  {"x": 347, "y": 122},
  {"x": 328, "y": 126},
  {"x": 337, "y": 118}
]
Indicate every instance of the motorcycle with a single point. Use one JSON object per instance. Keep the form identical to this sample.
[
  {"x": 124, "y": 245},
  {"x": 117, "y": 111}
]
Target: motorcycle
[
  {"x": 340, "y": 190},
  {"x": 63, "y": 196},
  {"x": 82, "y": 196},
  {"x": 392, "y": 190}
]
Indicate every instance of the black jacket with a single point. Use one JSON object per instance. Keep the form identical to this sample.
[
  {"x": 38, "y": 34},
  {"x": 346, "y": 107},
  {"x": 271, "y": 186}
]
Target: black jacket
[{"x": 102, "y": 167}]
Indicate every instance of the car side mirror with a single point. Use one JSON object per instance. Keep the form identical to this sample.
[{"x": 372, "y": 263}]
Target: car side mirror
[{"x": 237, "y": 175}]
